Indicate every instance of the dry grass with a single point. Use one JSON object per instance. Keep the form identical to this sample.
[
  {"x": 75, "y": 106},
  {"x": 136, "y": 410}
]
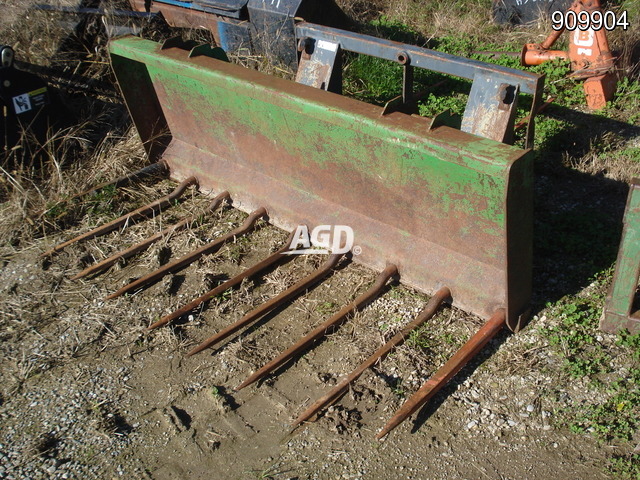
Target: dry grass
[{"x": 80, "y": 150}]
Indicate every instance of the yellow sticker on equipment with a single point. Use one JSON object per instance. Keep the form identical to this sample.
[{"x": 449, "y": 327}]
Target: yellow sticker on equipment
[{"x": 38, "y": 92}]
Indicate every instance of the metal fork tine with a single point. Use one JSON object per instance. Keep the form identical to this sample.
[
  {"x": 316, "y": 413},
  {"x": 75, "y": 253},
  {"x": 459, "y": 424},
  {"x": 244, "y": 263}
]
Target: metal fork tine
[
  {"x": 428, "y": 312},
  {"x": 158, "y": 169},
  {"x": 143, "y": 245},
  {"x": 128, "y": 218},
  {"x": 272, "y": 259},
  {"x": 321, "y": 330},
  {"x": 447, "y": 371},
  {"x": 270, "y": 305},
  {"x": 186, "y": 260}
]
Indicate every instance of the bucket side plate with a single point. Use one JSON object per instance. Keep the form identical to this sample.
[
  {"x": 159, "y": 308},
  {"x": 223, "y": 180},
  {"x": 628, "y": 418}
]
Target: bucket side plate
[{"x": 621, "y": 310}]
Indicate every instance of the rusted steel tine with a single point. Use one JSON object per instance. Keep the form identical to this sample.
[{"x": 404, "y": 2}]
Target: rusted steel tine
[
  {"x": 428, "y": 312},
  {"x": 191, "y": 257},
  {"x": 129, "y": 217},
  {"x": 143, "y": 245},
  {"x": 232, "y": 282},
  {"x": 272, "y": 304},
  {"x": 321, "y": 330},
  {"x": 158, "y": 169},
  {"x": 155, "y": 169},
  {"x": 447, "y": 371}
]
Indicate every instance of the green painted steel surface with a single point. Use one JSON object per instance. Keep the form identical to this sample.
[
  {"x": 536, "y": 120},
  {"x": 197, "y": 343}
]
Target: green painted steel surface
[
  {"x": 619, "y": 311},
  {"x": 448, "y": 207}
]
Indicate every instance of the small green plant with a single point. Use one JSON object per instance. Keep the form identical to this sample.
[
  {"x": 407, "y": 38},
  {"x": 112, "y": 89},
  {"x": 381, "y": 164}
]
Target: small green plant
[
  {"x": 434, "y": 105},
  {"x": 102, "y": 202},
  {"x": 384, "y": 326},
  {"x": 397, "y": 388},
  {"x": 612, "y": 412},
  {"x": 625, "y": 339},
  {"x": 55, "y": 210},
  {"x": 449, "y": 339},
  {"x": 626, "y": 103},
  {"x": 325, "y": 308},
  {"x": 575, "y": 335},
  {"x": 421, "y": 339},
  {"x": 625, "y": 466}
]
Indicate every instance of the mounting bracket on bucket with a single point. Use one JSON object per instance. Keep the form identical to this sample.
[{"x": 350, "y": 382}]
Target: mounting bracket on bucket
[
  {"x": 314, "y": 50},
  {"x": 490, "y": 110},
  {"x": 256, "y": 26}
]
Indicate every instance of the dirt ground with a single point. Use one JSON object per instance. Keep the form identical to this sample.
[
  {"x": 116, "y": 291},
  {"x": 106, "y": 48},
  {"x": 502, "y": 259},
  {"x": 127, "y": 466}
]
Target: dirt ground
[{"x": 86, "y": 392}]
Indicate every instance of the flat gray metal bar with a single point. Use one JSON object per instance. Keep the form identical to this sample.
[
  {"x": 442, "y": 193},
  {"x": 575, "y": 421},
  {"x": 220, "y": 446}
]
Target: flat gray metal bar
[{"x": 421, "y": 57}]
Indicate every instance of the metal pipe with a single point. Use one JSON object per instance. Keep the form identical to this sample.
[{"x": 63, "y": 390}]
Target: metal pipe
[
  {"x": 533, "y": 54},
  {"x": 129, "y": 218},
  {"x": 143, "y": 245},
  {"x": 270, "y": 305},
  {"x": 191, "y": 257},
  {"x": 398, "y": 339},
  {"x": 551, "y": 39},
  {"x": 447, "y": 371},
  {"x": 321, "y": 330}
]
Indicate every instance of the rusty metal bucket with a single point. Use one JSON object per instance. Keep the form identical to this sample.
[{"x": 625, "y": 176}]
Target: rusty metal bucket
[{"x": 449, "y": 208}]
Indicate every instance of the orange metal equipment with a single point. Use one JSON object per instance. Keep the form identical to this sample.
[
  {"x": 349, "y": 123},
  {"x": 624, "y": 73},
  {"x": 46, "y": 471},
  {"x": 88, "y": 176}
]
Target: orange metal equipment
[{"x": 588, "y": 52}]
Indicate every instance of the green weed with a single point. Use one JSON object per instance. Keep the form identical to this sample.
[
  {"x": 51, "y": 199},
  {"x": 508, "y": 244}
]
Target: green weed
[
  {"x": 626, "y": 466},
  {"x": 632, "y": 342},
  {"x": 325, "y": 308},
  {"x": 421, "y": 339},
  {"x": 434, "y": 105},
  {"x": 102, "y": 202},
  {"x": 613, "y": 413},
  {"x": 626, "y": 104},
  {"x": 576, "y": 337},
  {"x": 397, "y": 388},
  {"x": 55, "y": 211}
]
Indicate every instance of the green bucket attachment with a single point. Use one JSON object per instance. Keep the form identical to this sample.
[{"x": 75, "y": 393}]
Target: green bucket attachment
[{"x": 449, "y": 208}]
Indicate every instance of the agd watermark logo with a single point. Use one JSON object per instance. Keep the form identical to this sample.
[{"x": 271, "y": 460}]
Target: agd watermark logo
[{"x": 323, "y": 239}]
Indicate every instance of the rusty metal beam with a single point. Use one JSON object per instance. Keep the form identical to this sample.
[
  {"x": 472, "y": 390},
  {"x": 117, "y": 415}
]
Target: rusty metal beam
[
  {"x": 439, "y": 379},
  {"x": 129, "y": 218},
  {"x": 270, "y": 305},
  {"x": 398, "y": 339},
  {"x": 321, "y": 330},
  {"x": 272, "y": 259},
  {"x": 146, "y": 243},
  {"x": 191, "y": 257}
]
